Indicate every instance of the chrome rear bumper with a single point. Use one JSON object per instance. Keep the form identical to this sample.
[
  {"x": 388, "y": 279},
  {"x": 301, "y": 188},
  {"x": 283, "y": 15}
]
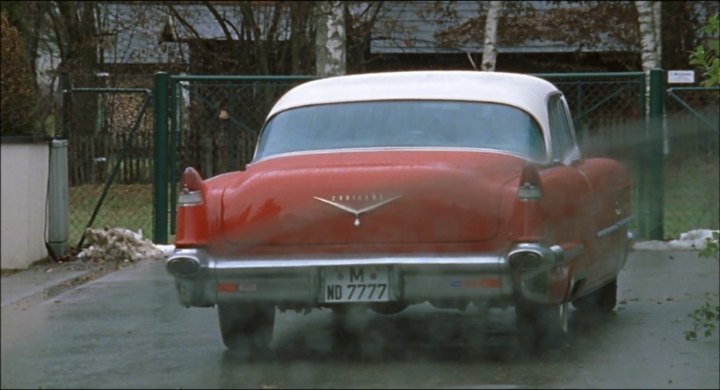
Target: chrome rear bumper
[{"x": 205, "y": 280}]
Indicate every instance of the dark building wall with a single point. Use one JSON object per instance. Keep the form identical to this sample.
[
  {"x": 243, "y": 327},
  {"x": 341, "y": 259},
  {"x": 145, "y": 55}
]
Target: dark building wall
[{"x": 511, "y": 62}]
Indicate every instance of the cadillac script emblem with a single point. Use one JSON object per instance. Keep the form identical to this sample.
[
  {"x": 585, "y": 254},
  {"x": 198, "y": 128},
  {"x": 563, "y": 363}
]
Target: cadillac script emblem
[{"x": 357, "y": 204}]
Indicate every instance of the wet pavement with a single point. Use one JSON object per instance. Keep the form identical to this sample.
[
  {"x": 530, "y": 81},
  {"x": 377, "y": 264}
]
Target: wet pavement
[{"x": 126, "y": 330}]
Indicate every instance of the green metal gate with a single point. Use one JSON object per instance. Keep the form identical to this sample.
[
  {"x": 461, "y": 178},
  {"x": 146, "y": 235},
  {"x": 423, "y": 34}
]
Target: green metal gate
[
  {"x": 109, "y": 159},
  {"x": 212, "y": 123},
  {"x": 692, "y": 152}
]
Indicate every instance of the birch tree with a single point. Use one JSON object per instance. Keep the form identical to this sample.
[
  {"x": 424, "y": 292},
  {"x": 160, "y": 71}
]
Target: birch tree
[
  {"x": 330, "y": 49},
  {"x": 648, "y": 44},
  {"x": 657, "y": 23},
  {"x": 490, "y": 37},
  {"x": 648, "y": 39},
  {"x": 650, "y": 49}
]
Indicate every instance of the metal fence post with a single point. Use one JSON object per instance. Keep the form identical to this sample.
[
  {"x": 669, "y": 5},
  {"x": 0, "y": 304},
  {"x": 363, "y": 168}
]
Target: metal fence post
[
  {"x": 160, "y": 182},
  {"x": 173, "y": 133},
  {"x": 641, "y": 159},
  {"x": 655, "y": 180}
]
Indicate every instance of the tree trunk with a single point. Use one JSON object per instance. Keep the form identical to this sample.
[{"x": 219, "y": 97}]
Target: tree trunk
[
  {"x": 648, "y": 44},
  {"x": 260, "y": 43},
  {"x": 330, "y": 39},
  {"x": 648, "y": 40},
  {"x": 657, "y": 21},
  {"x": 80, "y": 59},
  {"x": 490, "y": 41},
  {"x": 299, "y": 43}
]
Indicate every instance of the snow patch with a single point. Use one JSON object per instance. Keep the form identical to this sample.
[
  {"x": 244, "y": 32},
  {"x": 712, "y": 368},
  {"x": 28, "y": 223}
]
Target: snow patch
[
  {"x": 120, "y": 245},
  {"x": 691, "y": 240}
]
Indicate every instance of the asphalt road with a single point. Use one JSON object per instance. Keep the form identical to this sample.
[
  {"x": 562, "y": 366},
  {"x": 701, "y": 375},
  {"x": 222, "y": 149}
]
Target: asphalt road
[{"x": 126, "y": 330}]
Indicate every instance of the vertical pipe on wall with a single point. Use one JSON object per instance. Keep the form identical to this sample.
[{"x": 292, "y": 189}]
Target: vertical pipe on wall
[{"x": 58, "y": 199}]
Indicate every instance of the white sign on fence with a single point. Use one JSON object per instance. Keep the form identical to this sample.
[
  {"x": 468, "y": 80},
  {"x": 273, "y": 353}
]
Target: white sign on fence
[{"x": 681, "y": 76}]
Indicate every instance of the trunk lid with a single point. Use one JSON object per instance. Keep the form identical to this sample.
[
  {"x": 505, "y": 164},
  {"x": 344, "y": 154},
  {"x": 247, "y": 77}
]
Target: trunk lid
[{"x": 368, "y": 197}]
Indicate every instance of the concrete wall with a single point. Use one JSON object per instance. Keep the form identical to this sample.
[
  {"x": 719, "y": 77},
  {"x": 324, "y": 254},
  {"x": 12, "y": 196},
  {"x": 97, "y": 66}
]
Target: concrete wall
[{"x": 23, "y": 182}]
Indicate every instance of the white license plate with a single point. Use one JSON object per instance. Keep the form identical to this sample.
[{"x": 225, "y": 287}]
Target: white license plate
[{"x": 356, "y": 284}]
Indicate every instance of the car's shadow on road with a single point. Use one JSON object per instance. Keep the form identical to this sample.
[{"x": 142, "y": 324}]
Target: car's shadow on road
[{"x": 440, "y": 335}]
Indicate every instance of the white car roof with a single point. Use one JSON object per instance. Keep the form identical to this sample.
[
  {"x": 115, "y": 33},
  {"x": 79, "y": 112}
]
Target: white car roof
[{"x": 526, "y": 92}]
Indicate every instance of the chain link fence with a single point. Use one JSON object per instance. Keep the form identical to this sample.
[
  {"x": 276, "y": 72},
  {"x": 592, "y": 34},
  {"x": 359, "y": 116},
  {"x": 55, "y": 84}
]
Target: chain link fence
[
  {"x": 607, "y": 112},
  {"x": 108, "y": 121},
  {"x": 692, "y": 160},
  {"x": 216, "y": 119},
  {"x": 215, "y": 122}
]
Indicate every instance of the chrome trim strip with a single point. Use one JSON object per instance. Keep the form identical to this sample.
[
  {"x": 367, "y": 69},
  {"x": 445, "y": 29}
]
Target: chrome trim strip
[
  {"x": 394, "y": 148},
  {"x": 615, "y": 227},
  {"x": 308, "y": 263},
  {"x": 360, "y": 211}
]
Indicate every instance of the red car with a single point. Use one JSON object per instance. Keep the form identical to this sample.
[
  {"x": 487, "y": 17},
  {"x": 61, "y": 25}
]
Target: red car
[{"x": 391, "y": 189}]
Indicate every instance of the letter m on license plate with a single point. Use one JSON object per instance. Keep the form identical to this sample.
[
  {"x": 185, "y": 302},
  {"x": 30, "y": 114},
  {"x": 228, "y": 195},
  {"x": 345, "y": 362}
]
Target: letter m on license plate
[{"x": 356, "y": 284}]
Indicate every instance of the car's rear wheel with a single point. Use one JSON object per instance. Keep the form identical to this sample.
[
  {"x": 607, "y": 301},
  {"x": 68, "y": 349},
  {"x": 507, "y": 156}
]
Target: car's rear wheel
[
  {"x": 602, "y": 300},
  {"x": 541, "y": 326},
  {"x": 246, "y": 329}
]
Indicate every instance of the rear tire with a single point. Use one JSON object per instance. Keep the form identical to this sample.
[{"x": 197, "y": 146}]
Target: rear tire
[
  {"x": 246, "y": 329},
  {"x": 541, "y": 326},
  {"x": 602, "y": 300}
]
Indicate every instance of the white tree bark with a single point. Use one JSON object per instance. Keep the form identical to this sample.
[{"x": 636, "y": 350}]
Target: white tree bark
[
  {"x": 490, "y": 41},
  {"x": 649, "y": 22},
  {"x": 648, "y": 41},
  {"x": 330, "y": 51},
  {"x": 657, "y": 21}
]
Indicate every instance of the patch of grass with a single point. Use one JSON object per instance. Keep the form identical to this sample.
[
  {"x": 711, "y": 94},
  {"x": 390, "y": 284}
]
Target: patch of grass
[{"x": 691, "y": 195}]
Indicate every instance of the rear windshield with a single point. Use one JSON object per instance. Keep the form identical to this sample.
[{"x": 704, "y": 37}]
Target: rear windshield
[{"x": 400, "y": 124}]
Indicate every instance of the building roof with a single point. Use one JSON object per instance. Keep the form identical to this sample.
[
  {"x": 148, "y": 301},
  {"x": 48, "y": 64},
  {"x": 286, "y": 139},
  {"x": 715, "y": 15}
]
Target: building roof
[
  {"x": 526, "y": 92},
  {"x": 130, "y": 34},
  {"x": 134, "y": 29},
  {"x": 416, "y": 27}
]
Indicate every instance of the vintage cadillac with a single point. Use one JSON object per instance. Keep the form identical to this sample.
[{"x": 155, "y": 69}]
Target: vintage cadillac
[{"x": 390, "y": 189}]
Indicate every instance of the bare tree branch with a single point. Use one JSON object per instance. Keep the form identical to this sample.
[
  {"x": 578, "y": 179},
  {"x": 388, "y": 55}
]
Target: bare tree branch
[
  {"x": 222, "y": 22},
  {"x": 260, "y": 48},
  {"x": 182, "y": 20}
]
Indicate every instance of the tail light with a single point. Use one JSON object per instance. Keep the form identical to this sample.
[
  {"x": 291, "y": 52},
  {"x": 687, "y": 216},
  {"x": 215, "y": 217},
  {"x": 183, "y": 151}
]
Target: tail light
[
  {"x": 191, "y": 185},
  {"x": 192, "y": 217},
  {"x": 527, "y": 220},
  {"x": 530, "y": 186}
]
